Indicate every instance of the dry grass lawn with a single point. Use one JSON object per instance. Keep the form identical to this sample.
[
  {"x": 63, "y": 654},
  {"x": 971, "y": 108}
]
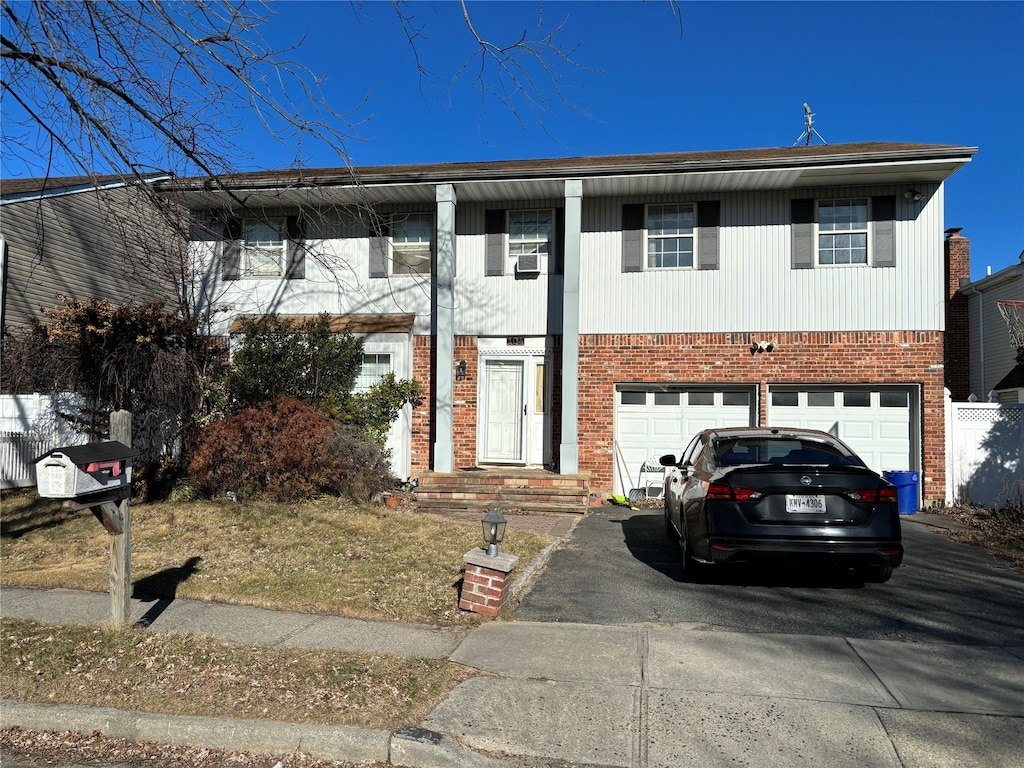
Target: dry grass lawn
[
  {"x": 319, "y": 557},
  {"x": 322, "y": 557},
  {"x": 97, "y": 665}
]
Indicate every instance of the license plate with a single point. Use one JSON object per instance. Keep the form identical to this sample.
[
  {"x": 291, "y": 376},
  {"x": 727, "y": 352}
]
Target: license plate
[{"x": 802, "y": 505}]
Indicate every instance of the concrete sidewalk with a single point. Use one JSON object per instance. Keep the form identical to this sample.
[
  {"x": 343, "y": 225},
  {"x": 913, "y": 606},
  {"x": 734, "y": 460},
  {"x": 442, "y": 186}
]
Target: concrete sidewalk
[{"x": 644, "y": 696}]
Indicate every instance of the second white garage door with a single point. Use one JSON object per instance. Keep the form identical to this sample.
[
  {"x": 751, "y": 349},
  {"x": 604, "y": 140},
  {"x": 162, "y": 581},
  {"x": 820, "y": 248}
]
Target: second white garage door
[{"x": 878, "y": 423}]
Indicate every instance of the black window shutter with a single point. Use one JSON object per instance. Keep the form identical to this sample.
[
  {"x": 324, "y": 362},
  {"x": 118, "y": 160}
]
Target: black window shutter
[
  {"x": 494, "y": 235},
  {"x": 558, "y": 247},
  {"x": 883, "y": 241},
  {"x": 708, "y": 215},
  {"x": 231, "y": 250},
  {"x": 802, "y": 226},
  {"x": 296, "y": 248},
  {"x": 632, "y": 237},
  {"x": 380, "y": 230}
]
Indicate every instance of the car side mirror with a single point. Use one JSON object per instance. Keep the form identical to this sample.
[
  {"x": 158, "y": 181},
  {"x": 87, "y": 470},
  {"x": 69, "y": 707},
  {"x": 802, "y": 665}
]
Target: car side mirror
[{"x": 668, "y": 460}]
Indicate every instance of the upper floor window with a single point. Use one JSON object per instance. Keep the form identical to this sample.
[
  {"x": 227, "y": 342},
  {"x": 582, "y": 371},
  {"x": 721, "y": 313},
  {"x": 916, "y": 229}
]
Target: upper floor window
[
  {"x": 670, "y": 235},
  {"x": 411, "y": 237},
  {"x": 375, "y": 367},
  {"x": 263, "y": 253},
  {"x": 843, "y": 231},
  {"x": 530, "y": 234}
]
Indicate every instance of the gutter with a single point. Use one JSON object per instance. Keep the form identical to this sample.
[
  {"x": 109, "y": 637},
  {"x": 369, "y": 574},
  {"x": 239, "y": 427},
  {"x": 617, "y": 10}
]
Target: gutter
[
  {"x": 668, "y": 166},
  {"x": 43, "y": 194}
]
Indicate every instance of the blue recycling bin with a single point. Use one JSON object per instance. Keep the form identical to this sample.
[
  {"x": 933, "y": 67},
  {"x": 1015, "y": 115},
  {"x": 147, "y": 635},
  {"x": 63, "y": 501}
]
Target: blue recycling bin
[{"x": 906, "y": 490}]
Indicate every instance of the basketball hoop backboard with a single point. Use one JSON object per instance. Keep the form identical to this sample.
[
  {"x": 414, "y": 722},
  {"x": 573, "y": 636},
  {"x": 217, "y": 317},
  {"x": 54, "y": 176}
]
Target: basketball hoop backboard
[{"x": 1012, "y": 311}]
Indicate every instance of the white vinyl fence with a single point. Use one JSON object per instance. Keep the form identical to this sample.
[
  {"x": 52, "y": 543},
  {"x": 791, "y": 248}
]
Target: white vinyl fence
[
  {"x": 984, "y": 453},
  {"x": 29, "y": 427}
]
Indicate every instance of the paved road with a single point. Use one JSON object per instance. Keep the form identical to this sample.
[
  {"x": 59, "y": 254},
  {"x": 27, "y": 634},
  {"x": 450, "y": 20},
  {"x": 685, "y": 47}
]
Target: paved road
[{"x": 619, "y": 568}]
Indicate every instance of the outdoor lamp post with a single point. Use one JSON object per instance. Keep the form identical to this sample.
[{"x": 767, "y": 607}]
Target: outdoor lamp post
[{"x": 494, "y": 530}]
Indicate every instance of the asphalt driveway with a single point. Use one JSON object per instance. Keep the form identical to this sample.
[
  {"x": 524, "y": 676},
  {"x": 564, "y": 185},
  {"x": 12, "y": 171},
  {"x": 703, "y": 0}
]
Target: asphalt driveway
[{"x": 618, "y": 567}]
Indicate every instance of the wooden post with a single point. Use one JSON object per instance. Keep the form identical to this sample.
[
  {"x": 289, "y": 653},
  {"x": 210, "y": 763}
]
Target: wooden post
[{"x": 121, "y": 543}]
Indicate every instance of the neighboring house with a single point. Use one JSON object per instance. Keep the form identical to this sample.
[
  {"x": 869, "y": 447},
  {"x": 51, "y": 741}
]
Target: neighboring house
[
  {"x": 994, "y": 371},
  {"x": 84, "y": 237},
  {"x": 584, "y": 314}
]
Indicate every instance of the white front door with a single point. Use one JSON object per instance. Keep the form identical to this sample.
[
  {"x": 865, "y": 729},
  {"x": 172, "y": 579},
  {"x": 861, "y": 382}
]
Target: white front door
[{"x": 504, "y": 411}]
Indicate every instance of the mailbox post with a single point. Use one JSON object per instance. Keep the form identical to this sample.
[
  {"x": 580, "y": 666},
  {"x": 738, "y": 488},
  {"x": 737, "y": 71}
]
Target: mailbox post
[{"x": 98, "y": 477}]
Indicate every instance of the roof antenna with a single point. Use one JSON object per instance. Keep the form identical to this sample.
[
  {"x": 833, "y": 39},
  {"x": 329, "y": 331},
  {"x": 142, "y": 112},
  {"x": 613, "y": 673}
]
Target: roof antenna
[{"x": 809, "y": 132}]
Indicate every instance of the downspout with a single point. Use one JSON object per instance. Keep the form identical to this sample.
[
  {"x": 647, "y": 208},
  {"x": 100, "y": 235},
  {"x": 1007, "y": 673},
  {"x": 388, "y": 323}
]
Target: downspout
[
  {"x": 3, "y": 286},
  {"x": 972, "y": 291}
]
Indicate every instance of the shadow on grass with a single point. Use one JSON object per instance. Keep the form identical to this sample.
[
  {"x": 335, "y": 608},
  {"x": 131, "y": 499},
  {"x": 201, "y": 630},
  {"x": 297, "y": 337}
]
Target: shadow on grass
[
  {"x": 24, "y": 512},
  {"x": 162, "y": 588}
]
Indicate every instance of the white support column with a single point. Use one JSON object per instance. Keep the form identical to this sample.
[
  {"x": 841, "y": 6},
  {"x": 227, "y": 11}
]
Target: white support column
[
  {"x": 569, "y": 450},
  {"x": 444, "y": 330}
]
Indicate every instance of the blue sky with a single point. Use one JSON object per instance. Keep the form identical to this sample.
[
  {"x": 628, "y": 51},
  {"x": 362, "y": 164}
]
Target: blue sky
[{"x": 736, "y": 77}]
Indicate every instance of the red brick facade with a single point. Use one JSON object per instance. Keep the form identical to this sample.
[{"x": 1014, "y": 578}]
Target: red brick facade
[
  {"x": 908, "y": 357},
  {"x": 957, "y": 340},
  {"x": 830, "y": 358}
]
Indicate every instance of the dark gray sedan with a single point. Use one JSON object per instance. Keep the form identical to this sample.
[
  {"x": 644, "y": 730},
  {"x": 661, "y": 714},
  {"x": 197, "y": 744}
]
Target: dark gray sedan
[{"x": 780, "y": 495}]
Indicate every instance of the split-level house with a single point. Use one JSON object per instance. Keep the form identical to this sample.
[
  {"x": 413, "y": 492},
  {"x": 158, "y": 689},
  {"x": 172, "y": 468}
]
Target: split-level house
[{"x": 583, "y": 315}]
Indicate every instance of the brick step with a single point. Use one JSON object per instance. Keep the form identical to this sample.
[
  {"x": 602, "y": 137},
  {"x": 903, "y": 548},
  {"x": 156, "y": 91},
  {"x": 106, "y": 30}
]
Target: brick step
[
  {"x": 492, "y": 489},
  {"x": 482, "y": 505}
]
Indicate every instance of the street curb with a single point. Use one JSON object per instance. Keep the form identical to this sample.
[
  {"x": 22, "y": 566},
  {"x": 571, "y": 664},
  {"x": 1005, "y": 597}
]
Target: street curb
[
  {"x": 416, "y": 747},
  {"x": 422, "y": 748},
  {"x": 261, "y": 736}
]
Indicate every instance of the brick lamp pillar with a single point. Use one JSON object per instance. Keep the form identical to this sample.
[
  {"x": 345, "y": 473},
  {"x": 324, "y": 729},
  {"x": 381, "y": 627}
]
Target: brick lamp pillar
[{"x": 485, "y": 585}]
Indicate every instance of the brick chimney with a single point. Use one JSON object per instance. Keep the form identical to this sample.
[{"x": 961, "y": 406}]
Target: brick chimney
[{"x": 956, "y": 344}]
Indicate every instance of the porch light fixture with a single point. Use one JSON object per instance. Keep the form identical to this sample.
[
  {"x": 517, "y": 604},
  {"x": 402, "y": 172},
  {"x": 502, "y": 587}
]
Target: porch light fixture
[
  {"x": 460, "y": 370},
  {"x": 494, "y": 531},
  {"x": 913, "y": 194}
]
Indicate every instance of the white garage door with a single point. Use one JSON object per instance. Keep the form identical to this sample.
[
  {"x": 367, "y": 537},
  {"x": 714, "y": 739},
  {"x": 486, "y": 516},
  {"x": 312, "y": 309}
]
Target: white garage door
[
  {"x": 877, "y": 423},
  {"x": 650, "y": 423}
]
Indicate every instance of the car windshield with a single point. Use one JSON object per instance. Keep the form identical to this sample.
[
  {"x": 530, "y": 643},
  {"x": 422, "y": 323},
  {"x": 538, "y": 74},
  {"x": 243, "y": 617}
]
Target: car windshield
[{"x": 780, "y": 450}]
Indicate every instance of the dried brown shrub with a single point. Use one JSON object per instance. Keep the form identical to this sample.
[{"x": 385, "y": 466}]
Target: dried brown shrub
[{"x": 277, "y": 450}]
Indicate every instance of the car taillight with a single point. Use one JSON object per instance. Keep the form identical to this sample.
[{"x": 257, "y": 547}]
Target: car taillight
[
  {"x": 724, "y": 492},
  {"x": 874, "y": 495}
]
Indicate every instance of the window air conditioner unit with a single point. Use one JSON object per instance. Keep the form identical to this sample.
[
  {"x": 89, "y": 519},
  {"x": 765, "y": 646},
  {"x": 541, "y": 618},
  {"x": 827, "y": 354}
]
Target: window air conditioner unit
[{"x": 528, "y": 263}]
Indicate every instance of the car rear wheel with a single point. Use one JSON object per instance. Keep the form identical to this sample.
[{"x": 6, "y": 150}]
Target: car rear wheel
[
  {"x": 876, "y": 574},
  {"x": 694, "y": 569}
]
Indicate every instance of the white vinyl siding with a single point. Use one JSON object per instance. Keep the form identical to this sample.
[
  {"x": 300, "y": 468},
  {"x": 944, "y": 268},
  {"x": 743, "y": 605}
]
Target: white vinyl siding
[
  {"x": 506, "y": 305},
  {"x": 755, "y": 289}
]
